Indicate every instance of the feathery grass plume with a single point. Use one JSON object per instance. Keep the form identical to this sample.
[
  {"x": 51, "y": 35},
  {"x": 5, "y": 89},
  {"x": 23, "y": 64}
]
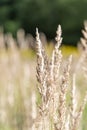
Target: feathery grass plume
[
  {"x": 84, "y": 39},
  {"x": 73, "y": 106},
  {"x": 75, "y": 112},
  {"x": 42, "y": 71},
  {"x": 53, "y": 88},
  {"x": 42, "y": 66},
  {"x": 40, "y": 59},
  {"x": 83, "y": 59},
  {"x": 57, "y": 53},
  {"x": 55, "y": 63},
  {"x": 62, "y": 96},
  {"x": 48, "y": 77},
  {"x": 78, "y": 115},
  {"x": 73, "y": 100}
]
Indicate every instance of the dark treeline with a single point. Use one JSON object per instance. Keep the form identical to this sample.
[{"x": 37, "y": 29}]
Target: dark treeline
[{"x": 46, "y": 15}]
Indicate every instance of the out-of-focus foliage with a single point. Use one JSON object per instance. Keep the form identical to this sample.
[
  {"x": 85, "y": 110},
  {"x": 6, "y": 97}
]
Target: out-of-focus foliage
[{"x": 46, "y": 15}]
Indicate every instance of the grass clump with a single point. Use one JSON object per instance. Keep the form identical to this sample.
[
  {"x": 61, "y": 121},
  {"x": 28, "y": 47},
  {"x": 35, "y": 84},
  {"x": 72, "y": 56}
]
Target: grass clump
[{"x": 53, "y": 84}]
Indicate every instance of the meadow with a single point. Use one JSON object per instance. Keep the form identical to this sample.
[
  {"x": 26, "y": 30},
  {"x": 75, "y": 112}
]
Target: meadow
[{"x": 42, "y": 86}]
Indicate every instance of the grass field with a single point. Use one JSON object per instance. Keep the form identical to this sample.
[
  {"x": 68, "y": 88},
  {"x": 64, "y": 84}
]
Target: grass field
[{"x": 20, "y": 98}]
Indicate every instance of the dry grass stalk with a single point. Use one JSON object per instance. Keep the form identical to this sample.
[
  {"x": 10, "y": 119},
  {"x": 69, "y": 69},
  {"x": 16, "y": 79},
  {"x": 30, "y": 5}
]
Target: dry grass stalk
[
  {"x": 75, "y": 112},
  {"x": 62, "y": 96},
  {"x": 48, "y": 74},
  {"x": 53, "y": 89},
  {"x": 73, "y": 102},
  {"x": 42, "y": 65},
  {"x": 83, "y": 58},
  {"x": 56, "y": 55},
  {"x": 55, "y": 63}
]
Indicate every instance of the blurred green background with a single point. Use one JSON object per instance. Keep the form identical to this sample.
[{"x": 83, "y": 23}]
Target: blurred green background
[{"x": 46, "y": 15}]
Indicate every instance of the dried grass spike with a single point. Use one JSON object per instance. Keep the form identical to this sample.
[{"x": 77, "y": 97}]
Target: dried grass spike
[
  {"x": 58, "y": 37},
  {"x": 38, "y": 43}
]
